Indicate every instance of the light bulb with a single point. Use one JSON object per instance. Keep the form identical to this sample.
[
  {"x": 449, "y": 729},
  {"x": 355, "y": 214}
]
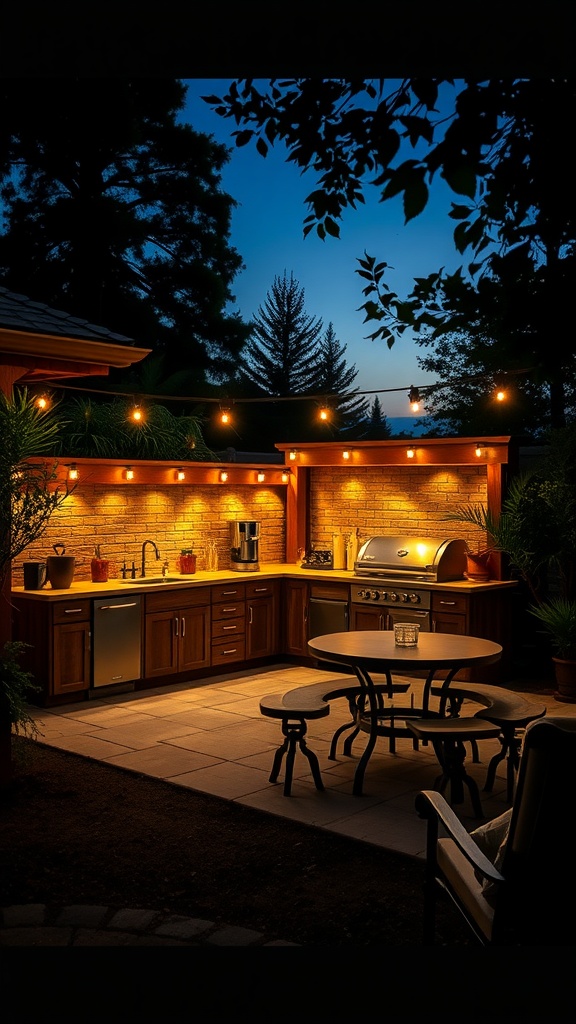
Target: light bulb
[{"x": 73, "y": 471}]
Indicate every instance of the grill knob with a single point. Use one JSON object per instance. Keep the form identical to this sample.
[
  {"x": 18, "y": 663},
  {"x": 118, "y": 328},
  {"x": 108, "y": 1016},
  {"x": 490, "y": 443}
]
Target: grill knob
[
  {"x": 414, "y": 598},
  {"x": 374, "y": 595},
  {"x": 364, "y": 594},
  {"x": 393, "y": 595},
  {"x": 404, "y": 598}
]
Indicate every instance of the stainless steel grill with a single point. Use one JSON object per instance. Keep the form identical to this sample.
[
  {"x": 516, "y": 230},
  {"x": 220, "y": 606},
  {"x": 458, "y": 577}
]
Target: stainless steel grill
[
  {"x": 411, "y": 558},
  {"x": 394, "y": 572}
]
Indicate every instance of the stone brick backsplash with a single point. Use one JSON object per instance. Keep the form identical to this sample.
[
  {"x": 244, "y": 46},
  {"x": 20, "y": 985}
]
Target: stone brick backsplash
[
  {"x": 375, "y": 500},
  {"x": 119, "y": 519},
  {"x": 392, "y": 500}
]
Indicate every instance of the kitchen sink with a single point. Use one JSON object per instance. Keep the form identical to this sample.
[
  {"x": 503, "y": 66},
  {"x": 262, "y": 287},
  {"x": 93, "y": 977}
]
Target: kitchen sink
[{"x": 155, "y": 579}]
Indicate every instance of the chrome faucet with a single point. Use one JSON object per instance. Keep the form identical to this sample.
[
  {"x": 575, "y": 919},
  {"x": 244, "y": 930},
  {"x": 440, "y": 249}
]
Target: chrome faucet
[{"x": 143, "y": 573}]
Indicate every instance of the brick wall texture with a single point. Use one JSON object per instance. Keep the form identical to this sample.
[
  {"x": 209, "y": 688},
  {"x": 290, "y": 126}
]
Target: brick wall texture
[{"x": 375, "y": 500}]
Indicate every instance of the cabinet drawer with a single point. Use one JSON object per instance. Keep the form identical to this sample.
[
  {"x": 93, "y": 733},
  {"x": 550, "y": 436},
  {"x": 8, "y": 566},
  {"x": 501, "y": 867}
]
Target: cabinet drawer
[
  {"x": 68, "y": 611},
  {"x": 228, "y": 592},
  {"x": 224, "y": 651},
  {"x": 259, "y": 590},
  {"x": 449, "y": 603},
  {"x": 330, "y": 591},
  {"x": 228, "y": 610},
  {"x": 172, "y": 600},
  {"x": 228, "y": 627}
]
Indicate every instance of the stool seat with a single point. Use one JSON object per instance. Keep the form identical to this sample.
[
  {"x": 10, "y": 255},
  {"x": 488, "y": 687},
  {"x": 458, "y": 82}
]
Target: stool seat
[
  {"x": 448, "y": 736},
  {"x": 293, "y": 713}
]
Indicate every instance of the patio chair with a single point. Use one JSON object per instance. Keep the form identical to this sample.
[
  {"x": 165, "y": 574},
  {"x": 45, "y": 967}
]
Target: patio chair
[{"x": 526, "y": 895}]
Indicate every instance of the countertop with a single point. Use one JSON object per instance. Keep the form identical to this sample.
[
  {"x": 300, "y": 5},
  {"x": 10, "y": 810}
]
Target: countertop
[{"x": 268, "y": 570}]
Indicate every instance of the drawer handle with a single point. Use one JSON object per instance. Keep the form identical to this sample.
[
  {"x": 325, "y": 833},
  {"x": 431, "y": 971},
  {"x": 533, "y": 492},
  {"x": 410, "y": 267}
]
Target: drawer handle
[
  {"x": 230, "y": 627},
  {"x": 229, "y": 609},
  {"x": 260, "y": 590},
  {"x": 231, "y": 651},
  {"x": 74, "y": 611},
  {"x": 229, "y": 593},
  {"x": 449, "y": 603}
]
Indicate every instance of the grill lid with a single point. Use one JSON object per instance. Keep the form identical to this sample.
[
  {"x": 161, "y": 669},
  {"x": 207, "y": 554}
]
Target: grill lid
[{"x": 412, "y": 558}]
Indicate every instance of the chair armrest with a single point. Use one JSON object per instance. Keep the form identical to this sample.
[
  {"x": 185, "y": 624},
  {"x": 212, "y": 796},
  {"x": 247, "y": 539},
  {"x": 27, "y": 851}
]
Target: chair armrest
[{"x": 430, "y": 804}]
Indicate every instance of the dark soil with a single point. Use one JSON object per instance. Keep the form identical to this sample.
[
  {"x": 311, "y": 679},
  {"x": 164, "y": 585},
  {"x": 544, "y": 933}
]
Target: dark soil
[{"x": 77, "y": 831}]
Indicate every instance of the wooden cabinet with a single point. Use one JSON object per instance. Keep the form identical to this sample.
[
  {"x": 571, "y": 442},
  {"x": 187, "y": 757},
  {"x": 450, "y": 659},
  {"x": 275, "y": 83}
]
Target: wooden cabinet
[
  {"x": 177, "y": 632},
  {"x": 228, "y": 623},
  {"x": 59, "y": 636},
  {"x": 450, "y": 613},
  {"x": 368, "y": 617},
  {"x": 295, "y": 595},
  {"x": 262, "y": 615}
]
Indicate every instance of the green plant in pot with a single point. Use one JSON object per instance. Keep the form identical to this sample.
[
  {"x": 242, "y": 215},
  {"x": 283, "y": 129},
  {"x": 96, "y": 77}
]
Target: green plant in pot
[
  {"x": 29, "y": 494},
  {"x": 558, "y": 616}
]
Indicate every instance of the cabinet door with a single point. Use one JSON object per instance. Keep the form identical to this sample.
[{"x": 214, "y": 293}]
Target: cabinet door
[
  {"x": 71, "y": 657},
  {"x": 161, "y": 644},
  {"x": 295, "y": 618},
  {"x": 260, "y": 628},
  {"x": 365, "y": 617},
  {"x": 194, "y": 647}
]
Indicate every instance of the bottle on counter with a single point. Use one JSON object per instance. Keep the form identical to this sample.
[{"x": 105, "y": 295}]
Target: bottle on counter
[
  {"x": 352, "y": 548},
  {"x": 338, "y": 551},
  {"x": 99, "y": 567}
]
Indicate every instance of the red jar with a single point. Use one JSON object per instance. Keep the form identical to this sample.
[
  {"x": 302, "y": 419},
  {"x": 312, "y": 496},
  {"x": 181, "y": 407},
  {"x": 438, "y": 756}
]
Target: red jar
[
  {"x": 187, "y": 563},
  {"x": 99, "y": 570}
]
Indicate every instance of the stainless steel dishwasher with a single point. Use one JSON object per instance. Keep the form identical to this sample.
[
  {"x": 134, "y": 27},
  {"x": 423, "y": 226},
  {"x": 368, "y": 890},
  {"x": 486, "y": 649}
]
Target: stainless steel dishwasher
[
  {"x": 327, "y": 616},
  {"x": 117, "y": 640}
]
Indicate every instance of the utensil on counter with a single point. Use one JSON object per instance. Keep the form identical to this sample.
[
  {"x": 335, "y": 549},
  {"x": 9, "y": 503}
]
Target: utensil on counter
[{"x": 60, "y": 568}]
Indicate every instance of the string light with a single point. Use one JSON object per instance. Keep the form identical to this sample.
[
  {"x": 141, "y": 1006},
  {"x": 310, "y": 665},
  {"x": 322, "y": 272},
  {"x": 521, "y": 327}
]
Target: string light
[
  {"x": 324, "y": 413},
  {"x": 136, "y": 414},
  {"x": 500, "y": 395},
  {"x": 414, "y": 399},
  {"x": 43, "y": 402},
  {"x": 225, "y": 416}
]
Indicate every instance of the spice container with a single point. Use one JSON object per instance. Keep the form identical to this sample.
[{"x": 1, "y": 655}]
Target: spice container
[{"x": 187, "y": 562}]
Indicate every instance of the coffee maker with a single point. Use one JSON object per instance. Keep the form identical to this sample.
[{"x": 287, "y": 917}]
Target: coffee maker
[{"x": 244, "y": 541}]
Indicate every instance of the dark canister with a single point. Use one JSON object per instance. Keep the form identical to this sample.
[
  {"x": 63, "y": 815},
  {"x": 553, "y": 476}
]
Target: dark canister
[{"x": 34, "y": 575}]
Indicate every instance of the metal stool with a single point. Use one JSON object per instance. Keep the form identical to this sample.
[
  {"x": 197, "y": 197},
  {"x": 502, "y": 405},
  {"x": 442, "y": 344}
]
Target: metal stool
[
  {"x": 294, "y": 728},
  {"x": 448, "y": 736}
]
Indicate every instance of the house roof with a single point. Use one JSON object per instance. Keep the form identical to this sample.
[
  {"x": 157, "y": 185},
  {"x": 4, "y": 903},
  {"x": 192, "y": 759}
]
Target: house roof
[{"x": 41, "y": 343}]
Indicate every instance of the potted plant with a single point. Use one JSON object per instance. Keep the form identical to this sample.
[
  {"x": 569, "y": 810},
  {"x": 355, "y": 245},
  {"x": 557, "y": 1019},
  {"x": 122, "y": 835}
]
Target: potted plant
[
  {"x": 29, "y": 495},
  {"x": 558, "y": 616}
]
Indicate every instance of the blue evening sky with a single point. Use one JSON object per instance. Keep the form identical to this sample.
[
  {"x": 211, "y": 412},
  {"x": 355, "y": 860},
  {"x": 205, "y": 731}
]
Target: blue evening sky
[{"x": 267, "y": 231}]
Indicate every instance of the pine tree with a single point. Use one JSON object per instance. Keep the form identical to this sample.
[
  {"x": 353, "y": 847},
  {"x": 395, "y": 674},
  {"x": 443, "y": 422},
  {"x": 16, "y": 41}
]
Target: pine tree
[
  {"x": 378, "y": 429},
  {"x": 336, "y": 377},
  {"x": 282, "y": 355}
]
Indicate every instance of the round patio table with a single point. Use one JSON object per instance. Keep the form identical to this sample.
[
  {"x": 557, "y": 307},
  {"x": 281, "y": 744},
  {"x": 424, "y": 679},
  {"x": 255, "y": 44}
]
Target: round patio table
[{"x": 367, "y": 651}]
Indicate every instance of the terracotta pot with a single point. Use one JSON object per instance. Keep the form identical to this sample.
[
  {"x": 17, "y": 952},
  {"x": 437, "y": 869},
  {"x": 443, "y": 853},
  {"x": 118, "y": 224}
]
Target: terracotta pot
[
  {"x": 565, "y": 672},
  {"x": 477, "y": 567}
]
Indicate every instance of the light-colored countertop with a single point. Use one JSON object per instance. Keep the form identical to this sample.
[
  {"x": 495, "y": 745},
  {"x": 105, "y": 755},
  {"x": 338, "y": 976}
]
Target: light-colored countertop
[{"x": 268, "y": 570}]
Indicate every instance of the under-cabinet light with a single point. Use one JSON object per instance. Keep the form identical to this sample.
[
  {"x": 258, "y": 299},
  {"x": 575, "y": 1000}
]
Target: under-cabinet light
[
  {"x": 410, "y": 453},
  {"x": 261, "y": 477},
  {"x": 346, "y": 454},
  {"x": 72, "y": 471},
  {"x": 180, "y": 474},
  {"x": 129, "y": 473},
  {"x": 223, "y": 476},
  {"x": 479, "y": 451}
]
